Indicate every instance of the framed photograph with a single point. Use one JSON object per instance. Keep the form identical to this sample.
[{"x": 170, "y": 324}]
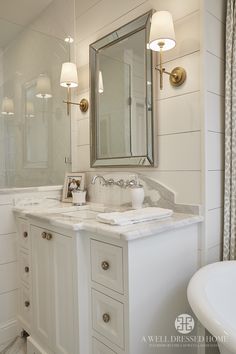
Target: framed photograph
[{"x": 73, "y": 180}]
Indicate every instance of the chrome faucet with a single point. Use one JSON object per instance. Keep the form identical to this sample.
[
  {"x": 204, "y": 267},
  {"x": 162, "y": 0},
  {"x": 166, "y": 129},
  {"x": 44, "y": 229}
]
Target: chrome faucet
[
  {"x": 120, "y": 183},
  {"x": 100, "y": 178}
]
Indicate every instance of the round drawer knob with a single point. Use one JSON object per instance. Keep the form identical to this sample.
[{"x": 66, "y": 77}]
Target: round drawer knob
[
  {"x": 27, "y": 269},
  {"x": 44, "y": 234},
  {"x": 25, "y": 234},
  {"x": 27, "y": 303},
  {"x": 48, "y": 236},
  {"x": 106, "y": 317},
  {"x": 105, "y": 265}
]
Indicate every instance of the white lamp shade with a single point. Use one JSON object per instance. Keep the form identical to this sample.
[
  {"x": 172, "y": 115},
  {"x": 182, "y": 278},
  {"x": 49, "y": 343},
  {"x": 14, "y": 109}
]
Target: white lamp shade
[
  {"x": 100, "y": 83},
  {"x": 69, "y": 75},
  {"x": 43, "y": 87},
  {"x": 162, "y": 31},
  {"x": 7, "y": 106}
]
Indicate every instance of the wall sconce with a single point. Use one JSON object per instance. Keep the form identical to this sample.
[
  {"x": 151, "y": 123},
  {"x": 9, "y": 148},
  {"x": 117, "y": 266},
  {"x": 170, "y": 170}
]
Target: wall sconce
[
  {"x": 43, "y": 87},
  {"x": 7, "y": 106},
  {"x": 162, "y": 38},
  {"x": 69, "y": 79}
]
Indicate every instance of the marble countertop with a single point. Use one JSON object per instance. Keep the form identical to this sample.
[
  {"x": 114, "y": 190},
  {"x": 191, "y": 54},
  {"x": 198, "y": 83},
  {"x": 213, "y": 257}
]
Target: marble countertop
[
  {"x": 29, "y": 189},
  {"x": 62, "y": 216}
]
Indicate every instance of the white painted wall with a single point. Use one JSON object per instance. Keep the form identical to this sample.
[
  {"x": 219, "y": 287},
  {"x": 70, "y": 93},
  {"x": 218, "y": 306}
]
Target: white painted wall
[{"x": 8, "y": 270}]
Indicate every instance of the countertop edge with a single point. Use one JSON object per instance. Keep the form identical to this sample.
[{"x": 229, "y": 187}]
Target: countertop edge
[{"x": 147, "y": 229}]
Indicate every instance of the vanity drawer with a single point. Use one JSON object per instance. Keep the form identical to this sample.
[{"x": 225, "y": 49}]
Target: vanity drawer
[
  {"x": 25, "y": 307},
  {"x": 108, "y": 317},
  {"x": 99, "y": 348},
  {"x": 24, "y": 267},
  {"x": 23, "y": 233},
  {"x": 107, "y": 265}
]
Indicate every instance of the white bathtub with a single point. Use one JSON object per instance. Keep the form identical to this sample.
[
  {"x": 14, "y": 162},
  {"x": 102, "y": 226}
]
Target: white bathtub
[{"x": 212, "y": 296}]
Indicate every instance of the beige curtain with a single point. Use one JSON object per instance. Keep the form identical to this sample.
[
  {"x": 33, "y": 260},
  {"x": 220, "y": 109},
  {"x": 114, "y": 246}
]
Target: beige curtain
[{"x": 230, "y": 135}]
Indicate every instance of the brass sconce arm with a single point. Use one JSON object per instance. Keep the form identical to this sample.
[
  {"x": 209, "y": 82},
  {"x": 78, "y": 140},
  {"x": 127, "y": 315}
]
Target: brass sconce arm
[
  {"x": 177, "y": 75},
  {"x": 84, "y": 105}
]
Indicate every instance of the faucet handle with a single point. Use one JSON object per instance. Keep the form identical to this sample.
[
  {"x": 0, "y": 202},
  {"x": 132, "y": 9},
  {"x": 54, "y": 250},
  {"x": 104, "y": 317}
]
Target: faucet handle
[
  {"x": 131, "y": 183},
  {"x": 121, "y": 183},
  {"x": 110, "y": 182}
]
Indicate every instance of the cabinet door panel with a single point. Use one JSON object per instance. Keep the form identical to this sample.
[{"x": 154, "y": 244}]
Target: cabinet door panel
[
  {"x": 108, "y": 317},
  {"x": 41, "y": 285},
  {"x": 111, "y": 275},
  {"x": 62, "y": 269}
]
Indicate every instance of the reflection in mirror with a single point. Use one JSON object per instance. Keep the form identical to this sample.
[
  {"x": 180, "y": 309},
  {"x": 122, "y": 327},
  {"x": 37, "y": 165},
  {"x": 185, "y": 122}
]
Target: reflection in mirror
[
  {"x": 34, "y": 127},
  {"x": 37, "y": 117},
  {"x": 121, "y": 96}
]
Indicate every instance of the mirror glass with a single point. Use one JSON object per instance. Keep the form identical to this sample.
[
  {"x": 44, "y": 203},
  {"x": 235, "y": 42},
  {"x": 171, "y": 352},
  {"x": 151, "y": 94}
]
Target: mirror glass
[{"x": 121, "y": 97}]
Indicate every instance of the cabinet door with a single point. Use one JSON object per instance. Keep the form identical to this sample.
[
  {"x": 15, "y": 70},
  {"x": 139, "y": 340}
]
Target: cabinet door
[
  {"x": 64, "y": 299},
  {"x": 41, "y": 286}
]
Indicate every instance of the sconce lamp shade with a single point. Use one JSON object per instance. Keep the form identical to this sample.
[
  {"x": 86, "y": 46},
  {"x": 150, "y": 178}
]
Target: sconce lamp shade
[
  {"x": 43, "y": 87},
  {"x": 7, "y": 106},
  {"x": 69, "y": 75},
  {"x": 162, "y": 33},
  {"x": 100, "y": 83}
]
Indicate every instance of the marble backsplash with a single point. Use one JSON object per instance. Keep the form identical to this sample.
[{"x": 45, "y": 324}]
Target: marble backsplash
[{"x": 156, "y": 194}]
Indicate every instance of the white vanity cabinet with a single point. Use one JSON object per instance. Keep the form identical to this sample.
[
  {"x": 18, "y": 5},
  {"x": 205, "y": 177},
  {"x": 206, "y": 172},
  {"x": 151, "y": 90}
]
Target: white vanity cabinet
[
  {"x": 48, "y": 282},
  {"x": 54, "y": 307},
  {"x": 95, "y": 290}
]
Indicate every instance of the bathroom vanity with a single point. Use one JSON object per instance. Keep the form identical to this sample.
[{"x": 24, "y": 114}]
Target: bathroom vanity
[{"x": 91, "y": 288}]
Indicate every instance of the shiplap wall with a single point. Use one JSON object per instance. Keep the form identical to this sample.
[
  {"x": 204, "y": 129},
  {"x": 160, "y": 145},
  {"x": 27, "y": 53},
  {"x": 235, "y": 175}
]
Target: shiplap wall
[
  {"x": 190, "y": 119},
  {"x": 178, "y": 109},
  {"x": 8, "y": 270},
  {"x": 213, "y": 94}
]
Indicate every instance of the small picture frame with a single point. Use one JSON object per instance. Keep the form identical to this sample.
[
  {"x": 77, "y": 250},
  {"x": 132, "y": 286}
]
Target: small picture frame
[{"x": 73, "y": 180}]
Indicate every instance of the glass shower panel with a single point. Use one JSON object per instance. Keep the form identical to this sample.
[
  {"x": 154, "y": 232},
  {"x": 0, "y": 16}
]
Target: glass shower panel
[{"x": 34, "y": 127}]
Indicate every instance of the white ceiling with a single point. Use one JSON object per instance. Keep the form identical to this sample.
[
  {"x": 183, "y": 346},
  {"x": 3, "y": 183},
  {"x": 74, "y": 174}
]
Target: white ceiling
[{"x": 15, "y": 14}]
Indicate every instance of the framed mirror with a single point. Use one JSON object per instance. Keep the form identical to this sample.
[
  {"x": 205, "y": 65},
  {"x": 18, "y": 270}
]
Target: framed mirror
[{"x": 121, "y": 85}]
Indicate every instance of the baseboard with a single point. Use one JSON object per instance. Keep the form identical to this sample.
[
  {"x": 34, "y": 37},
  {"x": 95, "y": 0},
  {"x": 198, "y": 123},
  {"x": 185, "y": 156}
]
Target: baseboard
[{"x": 8, "y": 331}]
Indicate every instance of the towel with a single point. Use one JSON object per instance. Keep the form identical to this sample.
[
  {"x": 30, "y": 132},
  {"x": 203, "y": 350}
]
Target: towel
[{"x": 134, "y": 216}]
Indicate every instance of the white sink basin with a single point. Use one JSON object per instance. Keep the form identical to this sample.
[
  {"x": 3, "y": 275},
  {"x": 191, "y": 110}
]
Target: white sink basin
[{"x": 212, "y": 296}]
